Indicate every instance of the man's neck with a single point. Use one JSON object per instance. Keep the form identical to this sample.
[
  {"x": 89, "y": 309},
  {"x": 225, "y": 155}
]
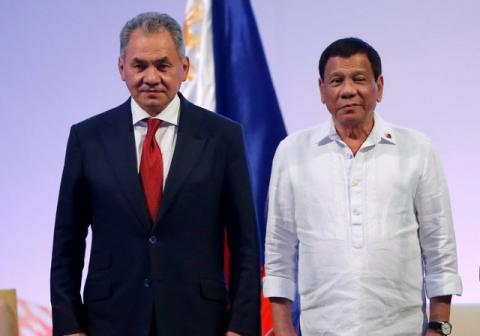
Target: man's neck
[{"x": 354, "y": 135}]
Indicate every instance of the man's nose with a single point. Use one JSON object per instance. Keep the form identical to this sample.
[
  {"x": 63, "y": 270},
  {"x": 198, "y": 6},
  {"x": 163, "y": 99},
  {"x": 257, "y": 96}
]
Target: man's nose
[
  {"x": 348, "y": 89},
  {"x": 152, "y": 77}
]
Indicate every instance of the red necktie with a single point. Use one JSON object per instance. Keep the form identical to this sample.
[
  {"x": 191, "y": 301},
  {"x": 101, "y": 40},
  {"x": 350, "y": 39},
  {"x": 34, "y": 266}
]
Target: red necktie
[{"x": 151, "y": 169}]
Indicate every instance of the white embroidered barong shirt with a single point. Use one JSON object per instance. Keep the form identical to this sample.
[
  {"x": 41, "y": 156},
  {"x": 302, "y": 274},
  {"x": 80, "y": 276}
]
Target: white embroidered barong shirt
[{"x": 366, "y": 238}]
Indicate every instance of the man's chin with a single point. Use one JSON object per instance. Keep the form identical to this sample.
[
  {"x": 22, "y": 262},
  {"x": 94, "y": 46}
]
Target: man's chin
[
  {"x": 153, "y": 107},
  {"x": 347, "y": 118},
  {"x": 353, "y": 120}
]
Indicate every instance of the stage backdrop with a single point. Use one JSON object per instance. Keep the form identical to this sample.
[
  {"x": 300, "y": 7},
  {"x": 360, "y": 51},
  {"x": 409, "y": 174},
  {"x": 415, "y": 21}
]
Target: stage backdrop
[{"x": 58, "y": 66}]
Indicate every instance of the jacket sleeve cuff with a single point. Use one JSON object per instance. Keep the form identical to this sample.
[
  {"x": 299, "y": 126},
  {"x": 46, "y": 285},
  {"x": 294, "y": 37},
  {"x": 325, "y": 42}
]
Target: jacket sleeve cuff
[
  {"x": 68, "y": 319},
  {"x": 274, "y": 286},
  {"x": 443, "y": 284}
]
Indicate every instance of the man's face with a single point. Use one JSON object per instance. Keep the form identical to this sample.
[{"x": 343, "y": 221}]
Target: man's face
[
  {"x": 152, "y": 69},
  {"x": 350, "y": 91}
]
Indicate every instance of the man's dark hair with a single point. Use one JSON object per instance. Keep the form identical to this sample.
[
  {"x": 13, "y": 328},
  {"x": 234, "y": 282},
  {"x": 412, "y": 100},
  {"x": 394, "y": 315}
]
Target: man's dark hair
[
  {"x": 347, "y": 47},
  {"x": 153, "y": 22}
]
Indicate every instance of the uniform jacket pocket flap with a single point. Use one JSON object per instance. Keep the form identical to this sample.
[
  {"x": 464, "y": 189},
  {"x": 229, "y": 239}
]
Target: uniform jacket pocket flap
[
  {"x": 95, "y": 291},
  {"x": 214, "y": 290},
  {"x": 100, "y": 261}
]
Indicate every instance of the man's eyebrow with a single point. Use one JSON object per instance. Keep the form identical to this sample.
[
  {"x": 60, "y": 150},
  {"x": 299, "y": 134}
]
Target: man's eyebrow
[
  {"x": 138, "y": 60},
  {"x": 360, "y": 72},
  {"x": 342, "y": 74},
  {"x": 159, "y": 60},
  {"x": 335, "y": 73},
  {"x": 162, "y": 60}
]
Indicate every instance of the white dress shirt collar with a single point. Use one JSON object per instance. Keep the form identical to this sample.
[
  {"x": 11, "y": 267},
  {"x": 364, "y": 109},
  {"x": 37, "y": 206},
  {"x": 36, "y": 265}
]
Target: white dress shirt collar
[
  {"x": 381, "y": 132},
  {"x": 170, "y": 114}
]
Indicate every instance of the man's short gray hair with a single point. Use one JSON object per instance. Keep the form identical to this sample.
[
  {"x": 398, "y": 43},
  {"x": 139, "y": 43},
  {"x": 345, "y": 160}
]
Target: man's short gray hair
[{"x": 152, "y": 22}]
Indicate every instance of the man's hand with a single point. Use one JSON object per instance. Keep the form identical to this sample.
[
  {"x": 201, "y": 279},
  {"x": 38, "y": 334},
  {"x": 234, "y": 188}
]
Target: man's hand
[
  {"x": 231, "y": 333},
  {"x": 432, "y": 333},
  {"x": 77, "y": 334}
]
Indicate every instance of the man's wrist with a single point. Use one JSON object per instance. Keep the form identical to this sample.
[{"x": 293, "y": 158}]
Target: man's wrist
[{"x": 440, "y": 327}]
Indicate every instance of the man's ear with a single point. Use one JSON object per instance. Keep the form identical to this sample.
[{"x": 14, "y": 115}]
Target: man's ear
[
  {"x": 380, "y": 82},
  {"x": 321, "y": 86},
  {"x": 121, "y": 67},
  {"x": 185, "y": 67}
]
